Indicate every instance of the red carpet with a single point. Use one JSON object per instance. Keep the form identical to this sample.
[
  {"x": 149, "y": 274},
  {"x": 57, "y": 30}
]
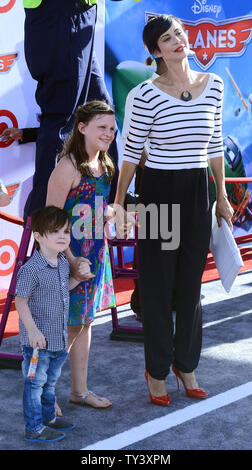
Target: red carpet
[
  {"x": 11, "y": 328},
  {"x": 124, "y": 289}
]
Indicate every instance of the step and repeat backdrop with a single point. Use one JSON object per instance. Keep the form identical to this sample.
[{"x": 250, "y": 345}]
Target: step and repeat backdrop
[{"x": 220, "y": 37}]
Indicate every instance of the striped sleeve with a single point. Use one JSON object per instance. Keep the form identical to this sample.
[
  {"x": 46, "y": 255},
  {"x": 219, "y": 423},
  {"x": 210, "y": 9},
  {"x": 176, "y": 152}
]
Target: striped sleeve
[
  {"x": 140, "y": 125},
  {"x": 128, "y": 112},
  {"x": 215, "y": 145}
]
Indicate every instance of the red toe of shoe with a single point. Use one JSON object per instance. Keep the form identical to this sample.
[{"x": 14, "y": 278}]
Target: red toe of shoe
[
  {"x": 196, "y": 393},
  {"x": 164, "y": 400}
]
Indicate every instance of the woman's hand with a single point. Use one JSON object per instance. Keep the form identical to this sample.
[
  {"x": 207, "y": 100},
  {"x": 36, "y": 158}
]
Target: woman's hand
[
  {"x": 225, "y": 210},
  {"x": 122, "y": 220},
  {"x": 126, "y": 224}
]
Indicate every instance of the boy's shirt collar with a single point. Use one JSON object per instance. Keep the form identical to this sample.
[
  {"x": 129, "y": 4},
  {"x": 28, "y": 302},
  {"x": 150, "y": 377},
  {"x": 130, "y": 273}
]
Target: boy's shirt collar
[{"x": 44, "y": 261}]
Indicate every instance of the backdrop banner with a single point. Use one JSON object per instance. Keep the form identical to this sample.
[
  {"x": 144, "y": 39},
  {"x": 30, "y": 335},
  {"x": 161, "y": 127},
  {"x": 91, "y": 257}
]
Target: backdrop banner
[
  {"x": 220, "y": 38},
  {"x": 19, "y": 109}
]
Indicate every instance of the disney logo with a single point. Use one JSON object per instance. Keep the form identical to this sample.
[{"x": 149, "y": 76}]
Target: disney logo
[{"x": 202, "y": 7}]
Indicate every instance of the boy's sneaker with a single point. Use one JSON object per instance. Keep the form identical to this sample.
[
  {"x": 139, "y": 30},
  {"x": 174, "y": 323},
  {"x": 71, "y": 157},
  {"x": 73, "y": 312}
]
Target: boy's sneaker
[
  {"x": 47, "y": 435},
  {"x": 60, "y": 424}
]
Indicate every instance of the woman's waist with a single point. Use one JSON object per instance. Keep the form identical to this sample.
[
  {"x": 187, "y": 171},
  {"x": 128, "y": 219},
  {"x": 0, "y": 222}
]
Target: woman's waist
[{"x": 167, "y": 169}]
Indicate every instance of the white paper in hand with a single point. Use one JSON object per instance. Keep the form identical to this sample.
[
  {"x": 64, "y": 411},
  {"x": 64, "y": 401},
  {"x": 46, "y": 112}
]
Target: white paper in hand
[{"x": 226, "y": 254}]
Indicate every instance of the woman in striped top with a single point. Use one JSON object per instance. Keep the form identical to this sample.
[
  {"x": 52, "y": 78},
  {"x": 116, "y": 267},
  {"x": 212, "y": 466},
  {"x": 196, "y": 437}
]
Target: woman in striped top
[{"x": 180, "y": 113}]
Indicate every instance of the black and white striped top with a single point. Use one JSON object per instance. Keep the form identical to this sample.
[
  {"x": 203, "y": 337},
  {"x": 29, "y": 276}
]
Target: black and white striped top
[{"x": 181, "y": 135}]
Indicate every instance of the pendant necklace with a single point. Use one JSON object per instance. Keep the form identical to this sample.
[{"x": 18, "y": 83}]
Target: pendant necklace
[{"x": 186, "y": 95}]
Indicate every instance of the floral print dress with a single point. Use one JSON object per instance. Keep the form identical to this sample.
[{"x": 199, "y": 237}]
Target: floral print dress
[{"x": 86, "y": 204}]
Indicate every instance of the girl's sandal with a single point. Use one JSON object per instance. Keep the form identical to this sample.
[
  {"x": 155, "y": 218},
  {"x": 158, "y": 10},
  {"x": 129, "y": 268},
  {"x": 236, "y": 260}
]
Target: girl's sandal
[{"x": 82, "y": 400}]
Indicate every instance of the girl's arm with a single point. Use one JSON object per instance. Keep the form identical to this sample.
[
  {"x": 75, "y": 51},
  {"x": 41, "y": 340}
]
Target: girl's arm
[
  {"x": 73, "y": 283},
  {"x": 84, "y": 270},
  {"x": 60, "y": 183}
]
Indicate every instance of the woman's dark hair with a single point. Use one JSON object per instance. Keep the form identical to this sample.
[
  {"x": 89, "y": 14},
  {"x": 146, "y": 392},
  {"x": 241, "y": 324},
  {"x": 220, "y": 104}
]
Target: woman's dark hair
[
  {"x": 156, "y": 26},
  {"x": 48, "y": 219},
  {"x": 74, "y": 147}
]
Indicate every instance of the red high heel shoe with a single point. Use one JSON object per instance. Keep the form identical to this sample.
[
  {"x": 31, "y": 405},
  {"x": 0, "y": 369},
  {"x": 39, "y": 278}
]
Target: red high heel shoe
[
  {"x": 164, "y": 400},
  {"x": 191, "y": 392}
]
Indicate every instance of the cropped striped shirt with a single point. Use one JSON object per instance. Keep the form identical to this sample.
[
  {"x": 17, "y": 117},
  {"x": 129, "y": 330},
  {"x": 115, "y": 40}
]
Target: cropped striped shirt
[{"x": 181, "y": 135}]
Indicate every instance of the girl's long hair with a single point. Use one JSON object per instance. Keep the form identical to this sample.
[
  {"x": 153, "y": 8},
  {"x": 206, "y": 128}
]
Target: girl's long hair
[{"x": 74, "y": 146}]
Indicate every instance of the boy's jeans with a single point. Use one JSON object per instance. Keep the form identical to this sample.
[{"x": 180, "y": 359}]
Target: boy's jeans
[{"x": 39, "y": 393}]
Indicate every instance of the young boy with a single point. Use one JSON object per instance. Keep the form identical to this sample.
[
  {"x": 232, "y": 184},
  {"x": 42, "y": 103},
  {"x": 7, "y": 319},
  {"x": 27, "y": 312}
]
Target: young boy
[{"x": 42, "y": 301}]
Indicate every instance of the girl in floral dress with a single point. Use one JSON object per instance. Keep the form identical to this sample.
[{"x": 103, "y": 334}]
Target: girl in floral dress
[{"x": 80, "y": 184}]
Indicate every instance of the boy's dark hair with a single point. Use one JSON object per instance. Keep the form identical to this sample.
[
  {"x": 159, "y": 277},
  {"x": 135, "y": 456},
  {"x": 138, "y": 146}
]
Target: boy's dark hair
[
  {"x": 48, "y": 219},
  {"x": 156, "y": 26}
]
